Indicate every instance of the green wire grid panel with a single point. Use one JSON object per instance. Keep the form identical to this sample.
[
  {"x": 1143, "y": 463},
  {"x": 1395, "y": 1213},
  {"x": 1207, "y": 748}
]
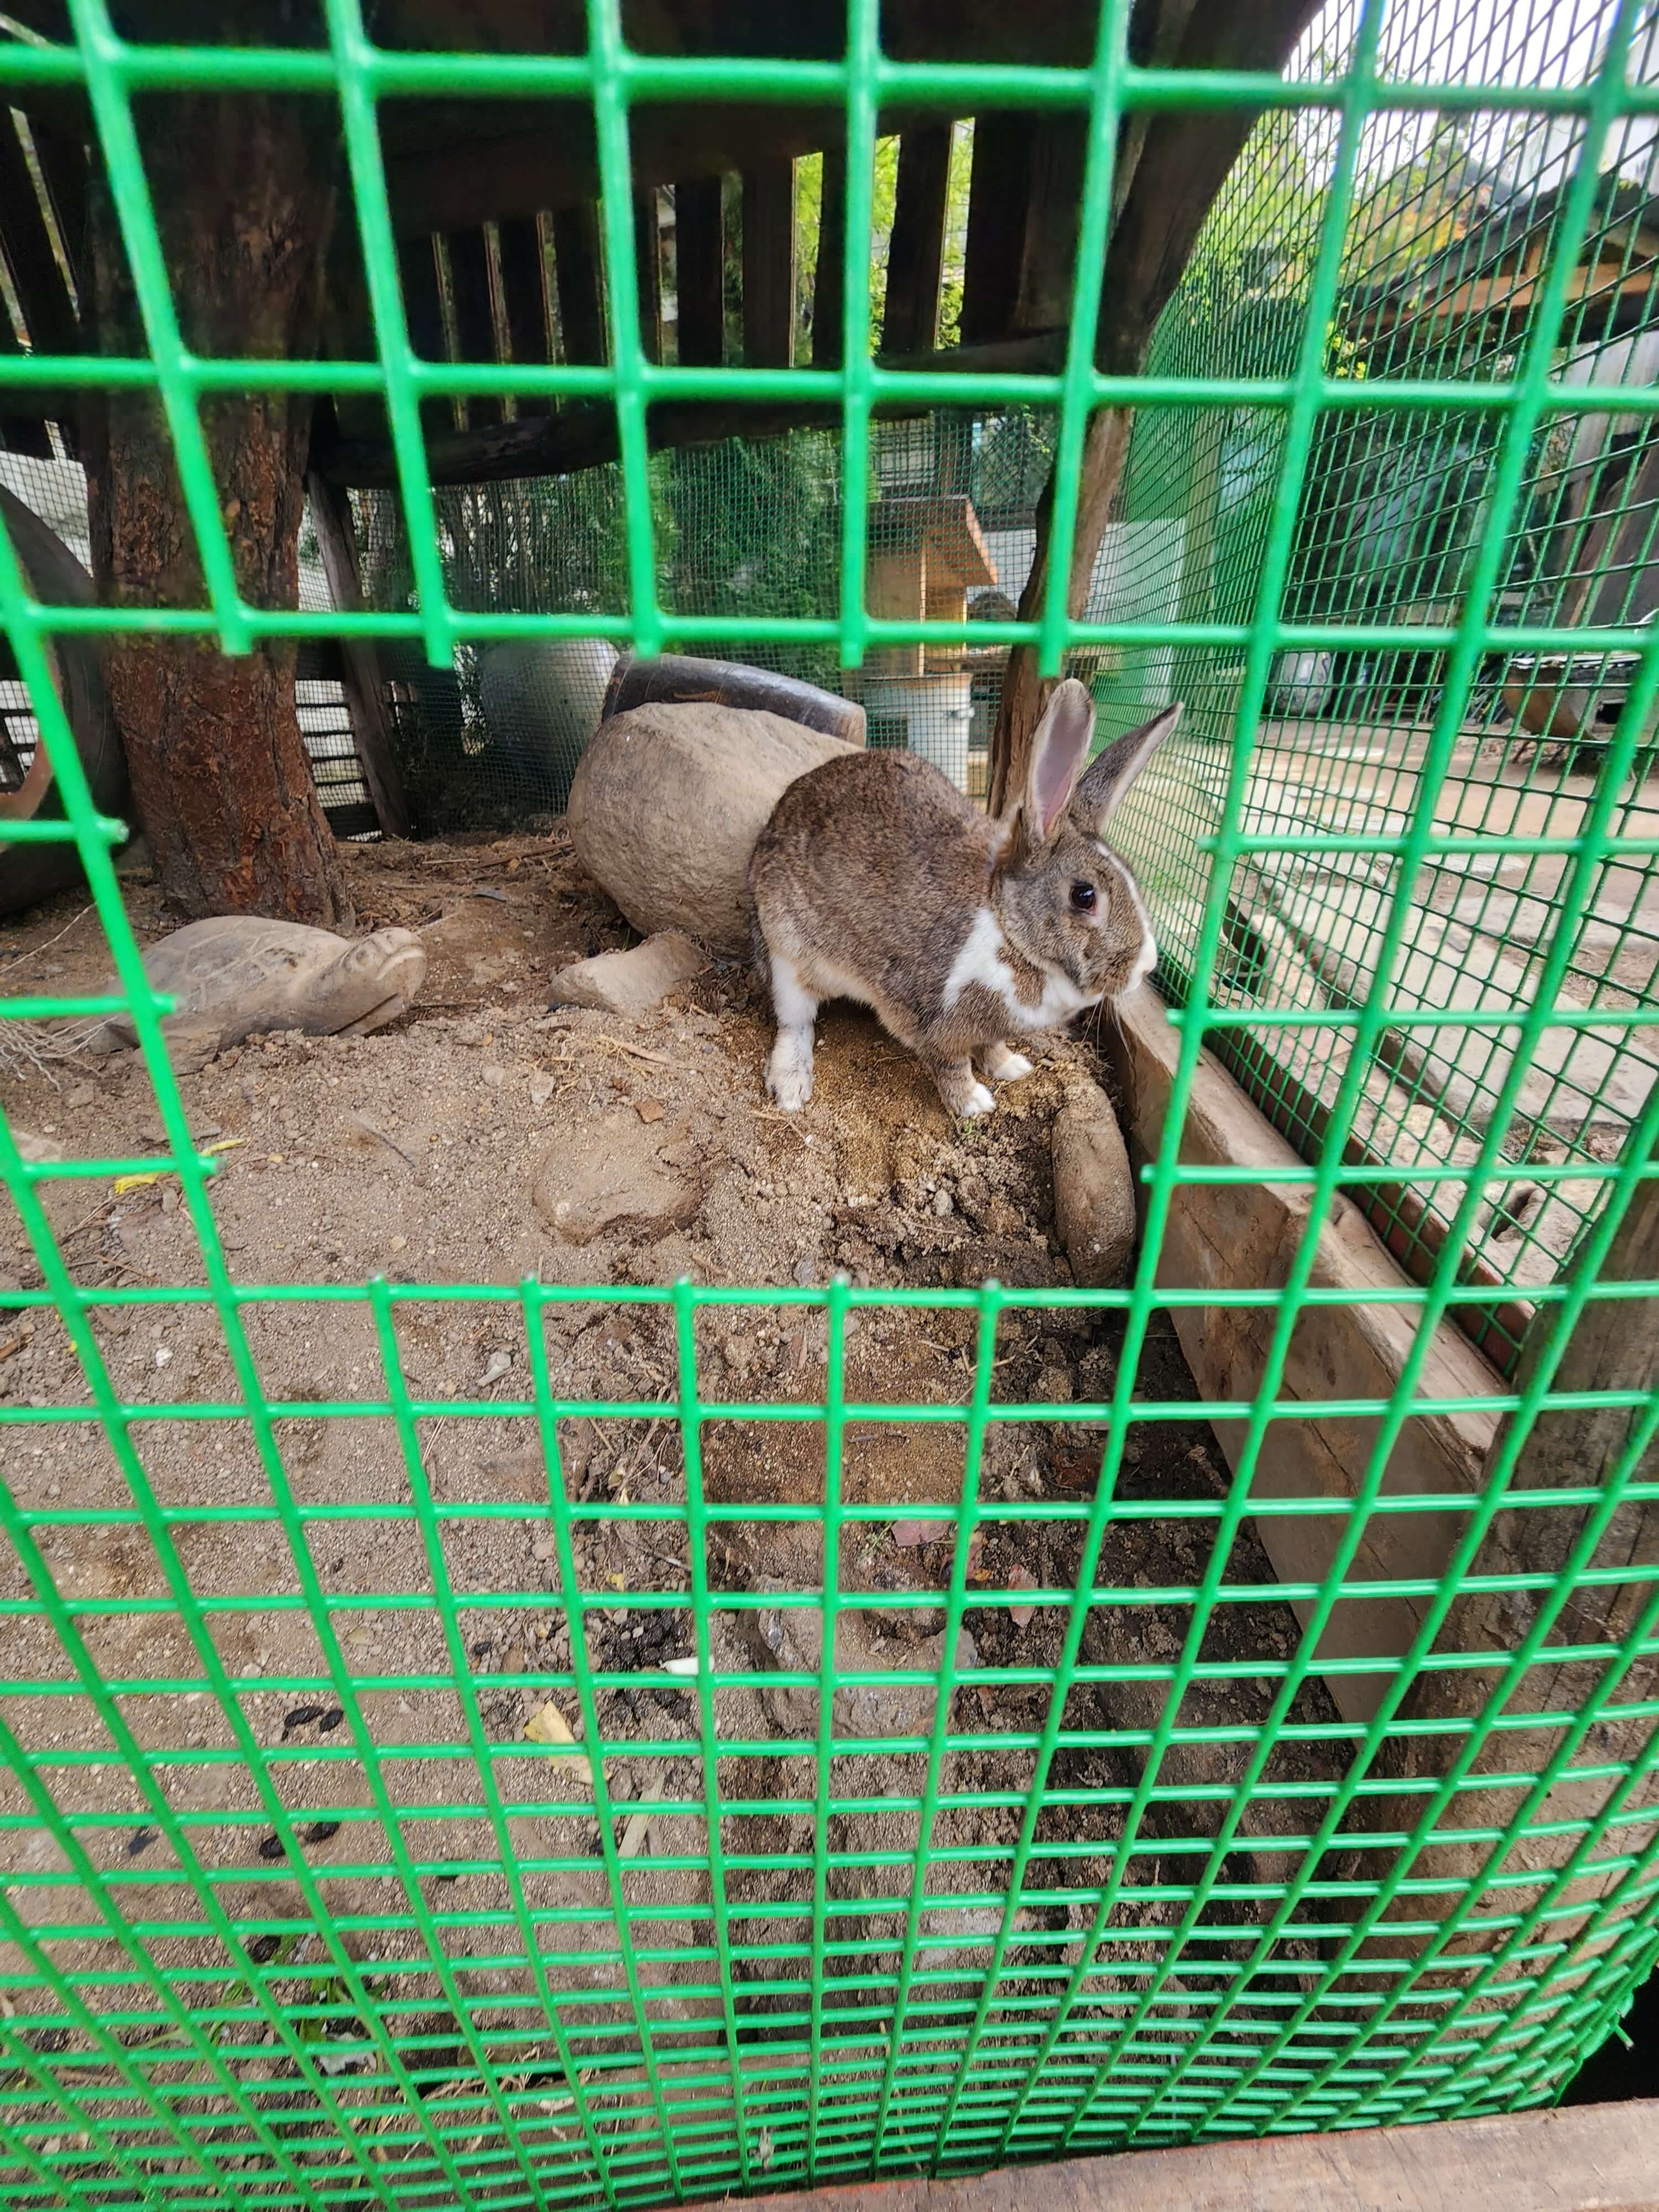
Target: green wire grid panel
[{"x": 1257, "y": 1905}]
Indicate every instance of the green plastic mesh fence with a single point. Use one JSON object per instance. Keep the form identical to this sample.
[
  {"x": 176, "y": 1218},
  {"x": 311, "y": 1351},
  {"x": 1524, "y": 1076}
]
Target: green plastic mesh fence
[{"x": 397, "y": 1845}]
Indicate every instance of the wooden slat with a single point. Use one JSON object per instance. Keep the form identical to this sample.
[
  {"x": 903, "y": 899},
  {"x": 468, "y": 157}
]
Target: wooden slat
[
  {"x": 524, "y": 295},
  {"x": 769, "y": 264},
  {"x": 63, "y": 161},
  {"x": 915, "y": 253},
  {"x": 578, "y": 267},
  {"x": 1048, "y": 263},
  {"x": 475, "y": 322},
  {"x": 371, "y": 720},
  {"x": 418, "y": 275},
  {"x": 1591, "y": 2157},
  {"x": 647, "y": 269},
  {"x": 829, "y": 317},
  {"x": 700, "y": 272},
  {"x": 999, "y": 204},
  {"x": 41, "y": 291}
]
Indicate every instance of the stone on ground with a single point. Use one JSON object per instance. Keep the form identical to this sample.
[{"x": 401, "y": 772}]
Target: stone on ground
[
  {"x": 634, "y": 981},
  {"x": 1094, "y": 1191},
  {"x": 626, "y": 1177}
]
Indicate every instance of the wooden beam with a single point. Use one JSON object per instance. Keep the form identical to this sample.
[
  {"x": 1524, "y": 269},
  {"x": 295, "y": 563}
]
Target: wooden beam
[
  {"x": 998, "y": 207},
  {"x": 647, "y": 269},
  {"x": 700, "y": 272},
  {"x": 583, "y": 435},
  {"x": 371, "y": 721},
  {"x": 578, "y": 277},
  {"x": 524, "y": 296},
  {"x": 1588, "y": 2158},
  {"x": 418, "y": 278},
  {"x": 1048, "y": 260},
  {"x": 475, "y": 320},
  {"x": 62, "y": 160},
  {"x": 915, "y": 253},
  {"x": 828, "y": 304},
  {"x": 41, "y": 290},
  {"x": 769, "y": 264}
]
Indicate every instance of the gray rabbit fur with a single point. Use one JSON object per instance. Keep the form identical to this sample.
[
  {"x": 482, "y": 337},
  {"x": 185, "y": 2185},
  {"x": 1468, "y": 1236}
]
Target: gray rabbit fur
[{"x": 875, "y": 879}]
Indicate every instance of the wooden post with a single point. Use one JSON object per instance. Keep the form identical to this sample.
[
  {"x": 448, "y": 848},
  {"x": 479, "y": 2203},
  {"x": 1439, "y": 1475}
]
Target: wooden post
[
  {"x": 475, "y": 322},
  {"x": 647, "y": 262},
  {"x": 769, "y": 264},
  {"x": 700, "y": 272},
  {"x": 915, "y": 253},
  {"x": 418, "y": 278},
  {"x": 371, "y": 723},
  {"x": 524, "y": 295},
  {"x": 829, "y": 302},
  {"x": 578, "y": 277}
]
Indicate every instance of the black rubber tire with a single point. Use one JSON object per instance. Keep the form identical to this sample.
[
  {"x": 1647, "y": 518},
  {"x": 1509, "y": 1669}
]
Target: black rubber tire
[{"x": 29, "y": 874}]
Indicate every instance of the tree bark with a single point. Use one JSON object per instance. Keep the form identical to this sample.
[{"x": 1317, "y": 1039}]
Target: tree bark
[{"x": 243, "y": 190}]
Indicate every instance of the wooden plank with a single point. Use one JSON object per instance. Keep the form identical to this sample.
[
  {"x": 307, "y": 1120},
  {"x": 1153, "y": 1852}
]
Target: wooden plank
[
  {"x": 371, "y": 720},
  {"x": 63, "y": 160},
  {"x": 578, "y": 277},
  {"x": 1588, "y": 2158},
  {"x": 829, "y": 303},
  {"x": 915, "y": 252},
  {"x": 524, "y": 296},
  {"x": 769, "y": 264},
  {"x": 998, "y": 207},
  {"x": 475, "y": 320},
  {"x": 42, "y": 292},
  {"x": 418, "y": 278},
  {"x": 700, "y": 272},
  {"x": 1048, "y": 263},
  {"x": 648, "y": 269},
  {"x": 583, "y": 434}
]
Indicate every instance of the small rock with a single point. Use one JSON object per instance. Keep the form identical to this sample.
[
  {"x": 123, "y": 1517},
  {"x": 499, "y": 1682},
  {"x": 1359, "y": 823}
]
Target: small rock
[
  {"x": 630, "y": 982},
  {"x": 618, "y": 1180},
  {"x": 1094, "y": 1193},
  {"x": 499, "y": 1363},
  {"x": 82, "y": 1095},
  {"x": 739, "y": 1354},
  {"x": 36, "y": 1150},
  {"x": 649, "y": 1109},
  {"x": 943, "y": 1203},
  {"x": 542, "y": 1087},
  {"x": 791, "y": 1638},
  {"x": 494, "y": 1074},
  {"x": 400, "y": 1244}
]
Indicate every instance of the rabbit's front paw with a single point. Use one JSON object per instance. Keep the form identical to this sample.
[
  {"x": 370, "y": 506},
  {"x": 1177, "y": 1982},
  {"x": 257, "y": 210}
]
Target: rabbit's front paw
[
  {"x": 979, "y": 1101},
  {"x": 1003, "y": 1064}
]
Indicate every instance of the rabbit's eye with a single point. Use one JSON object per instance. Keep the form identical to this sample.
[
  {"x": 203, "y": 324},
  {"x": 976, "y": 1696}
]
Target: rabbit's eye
[{"x": 1084, "y": 897}]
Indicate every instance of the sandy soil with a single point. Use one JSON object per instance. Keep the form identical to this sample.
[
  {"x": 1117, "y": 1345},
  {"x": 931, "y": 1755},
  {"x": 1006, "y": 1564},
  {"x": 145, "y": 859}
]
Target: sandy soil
[{"x": 439, "y": 1152}]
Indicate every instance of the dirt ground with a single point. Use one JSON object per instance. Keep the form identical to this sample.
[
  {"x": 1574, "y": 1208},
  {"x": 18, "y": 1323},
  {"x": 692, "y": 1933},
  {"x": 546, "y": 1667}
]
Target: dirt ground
[{"x": 441, "y": 1153}]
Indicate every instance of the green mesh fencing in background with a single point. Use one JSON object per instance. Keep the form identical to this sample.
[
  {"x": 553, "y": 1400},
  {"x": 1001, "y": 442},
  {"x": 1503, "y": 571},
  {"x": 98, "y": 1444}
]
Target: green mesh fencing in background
[{"x": 1230, "y": 1914}]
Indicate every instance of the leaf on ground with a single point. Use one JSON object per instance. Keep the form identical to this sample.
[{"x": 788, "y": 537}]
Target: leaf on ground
[
  {"x": 908, "y": 1534},
  {"x": 1021, "y": 1578},
  {"x": 636, "y": 1836}
]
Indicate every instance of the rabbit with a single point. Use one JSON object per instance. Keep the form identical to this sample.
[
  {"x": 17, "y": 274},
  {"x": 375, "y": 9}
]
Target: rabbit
[{"x": 876, "y": 879}]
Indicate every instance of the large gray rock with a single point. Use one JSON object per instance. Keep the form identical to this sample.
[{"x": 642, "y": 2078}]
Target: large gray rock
[
  {"x": 667, "y": 803},
  {"x": 630, "y": 982},
  {"x": 1094, "y": 1191}
]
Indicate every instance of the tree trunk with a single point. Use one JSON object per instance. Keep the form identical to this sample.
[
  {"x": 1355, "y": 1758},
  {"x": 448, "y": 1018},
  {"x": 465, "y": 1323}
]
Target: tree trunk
[{"x": 243, "y": 190}]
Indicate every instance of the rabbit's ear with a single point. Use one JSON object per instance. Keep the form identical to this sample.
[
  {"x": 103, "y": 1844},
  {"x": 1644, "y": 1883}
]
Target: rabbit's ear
[
  {"x": 1102, "y": 791},
  {"x": 1059, "y": 749}
]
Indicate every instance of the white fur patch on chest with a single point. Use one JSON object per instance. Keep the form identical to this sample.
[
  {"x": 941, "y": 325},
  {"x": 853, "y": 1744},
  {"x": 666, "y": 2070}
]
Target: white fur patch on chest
[{"x": 983, "y": 960}]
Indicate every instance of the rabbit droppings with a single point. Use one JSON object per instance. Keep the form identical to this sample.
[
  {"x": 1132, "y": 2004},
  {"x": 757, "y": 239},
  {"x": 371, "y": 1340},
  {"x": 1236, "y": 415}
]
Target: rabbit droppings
[{"x": 875, "y": 879}]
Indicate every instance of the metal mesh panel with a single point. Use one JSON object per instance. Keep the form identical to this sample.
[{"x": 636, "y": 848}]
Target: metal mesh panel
[{"x": 191, "y": 2021}]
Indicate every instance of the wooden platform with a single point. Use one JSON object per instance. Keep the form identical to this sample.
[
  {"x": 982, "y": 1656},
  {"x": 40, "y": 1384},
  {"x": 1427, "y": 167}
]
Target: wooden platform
[{"x": 1597, "y": 2158}]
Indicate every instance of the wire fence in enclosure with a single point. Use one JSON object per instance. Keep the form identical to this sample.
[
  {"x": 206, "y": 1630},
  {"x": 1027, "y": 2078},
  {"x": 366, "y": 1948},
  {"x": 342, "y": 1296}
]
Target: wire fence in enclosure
[{"x": 1301, "y": 1889}]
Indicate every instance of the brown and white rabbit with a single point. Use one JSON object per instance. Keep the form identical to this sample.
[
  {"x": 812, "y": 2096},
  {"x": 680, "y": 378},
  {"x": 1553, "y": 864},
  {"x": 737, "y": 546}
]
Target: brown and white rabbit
[{"x": 875, "y": 879}]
